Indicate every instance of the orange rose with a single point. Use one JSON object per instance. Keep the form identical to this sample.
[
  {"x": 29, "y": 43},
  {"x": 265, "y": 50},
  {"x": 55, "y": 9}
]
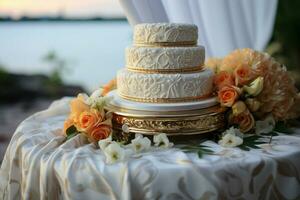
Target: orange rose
[
  {"x": 228, "y": 95},
  {"x": 223, "y": 78},
  {"x": 88, "y": 120},
  {"x": 67, "y": 124},
  {"x": 243, "y": 74},
  {"x": 77, "y": 107},
  {"x": 100, "y": 132},
  {"x": 245, "y": 121},
  {"x": 111, "y": 85}
]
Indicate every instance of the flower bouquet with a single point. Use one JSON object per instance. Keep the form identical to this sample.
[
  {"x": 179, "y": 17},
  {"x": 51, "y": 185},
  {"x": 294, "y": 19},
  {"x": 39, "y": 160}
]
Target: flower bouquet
[
  {"x": 89, "y": 118},
  {"x": 258, "y": 91}
]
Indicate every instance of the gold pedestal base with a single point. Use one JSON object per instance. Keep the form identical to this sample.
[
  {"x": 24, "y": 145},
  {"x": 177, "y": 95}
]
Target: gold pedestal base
[{"x": 173, "y": 123}]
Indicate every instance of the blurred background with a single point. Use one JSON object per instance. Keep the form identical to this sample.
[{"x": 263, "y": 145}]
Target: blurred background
[{"x": 51, "y": 49}]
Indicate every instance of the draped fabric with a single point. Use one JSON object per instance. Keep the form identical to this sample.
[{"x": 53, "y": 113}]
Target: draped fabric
[
  {"x": 40, "y": 164},
  {"x": 224, "y": 25}
]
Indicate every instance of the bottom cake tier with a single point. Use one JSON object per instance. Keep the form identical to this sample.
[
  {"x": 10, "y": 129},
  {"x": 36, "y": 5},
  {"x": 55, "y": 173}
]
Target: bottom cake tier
[{"x": 165, "y": 88}]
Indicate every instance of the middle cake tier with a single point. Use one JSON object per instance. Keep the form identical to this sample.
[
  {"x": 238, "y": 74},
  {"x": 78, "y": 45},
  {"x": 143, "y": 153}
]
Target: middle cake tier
[
  {"x": 165, "y": 59},
  {"x": 163, "y": 88}
]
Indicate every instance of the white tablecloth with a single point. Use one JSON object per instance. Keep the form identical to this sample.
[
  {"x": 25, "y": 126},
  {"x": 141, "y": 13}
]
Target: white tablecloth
[{"x": 39, "y": 165}]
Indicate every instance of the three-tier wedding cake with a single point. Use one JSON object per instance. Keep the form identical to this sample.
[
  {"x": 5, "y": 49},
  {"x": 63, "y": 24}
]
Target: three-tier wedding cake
[{"x": 165, "y": 83}]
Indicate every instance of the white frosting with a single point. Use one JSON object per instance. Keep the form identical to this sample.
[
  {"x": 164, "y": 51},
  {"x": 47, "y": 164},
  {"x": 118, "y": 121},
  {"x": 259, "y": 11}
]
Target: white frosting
[
  {"x": 117, "y": 101},
  {"x": 150, "y": 58},
  {"x": 165, "y": 32},
  {"x": 164, "y": 86}
]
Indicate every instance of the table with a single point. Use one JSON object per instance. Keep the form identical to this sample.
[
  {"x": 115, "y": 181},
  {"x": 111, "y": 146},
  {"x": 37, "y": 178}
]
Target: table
[{"x": 39, "y": 164}]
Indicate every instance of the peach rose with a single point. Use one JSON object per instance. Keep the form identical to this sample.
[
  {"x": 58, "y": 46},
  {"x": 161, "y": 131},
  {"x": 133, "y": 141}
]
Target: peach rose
[
  {"x": 88, "y": 120},
  {"x": 228, "y": 95},
  {"x": 223, "y": 78},
  {"x": 243, "y": 75},
  {"x": 245, "y": 121},
  {"x": 100, "y": 132},
  {"x": 67, "y": 124},
  {"x": 111, "y": 85},
  {"x": 77, "y": 107}
]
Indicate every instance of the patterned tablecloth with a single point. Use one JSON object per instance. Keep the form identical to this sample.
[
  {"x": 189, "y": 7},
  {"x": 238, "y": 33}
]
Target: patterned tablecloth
[{"x": 39, "y": 164}]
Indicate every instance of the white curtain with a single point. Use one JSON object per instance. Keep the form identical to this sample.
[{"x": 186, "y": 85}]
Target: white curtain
[{"x": 224, "y": 25}]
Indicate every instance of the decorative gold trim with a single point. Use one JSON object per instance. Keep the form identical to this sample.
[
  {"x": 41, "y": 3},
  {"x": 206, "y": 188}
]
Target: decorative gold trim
[
  {"x": 164, "y": 100},
  {"x": 165, "y": 44},
  {"x": 172, "y": 125},
  {"x": 165, "y": 71}
]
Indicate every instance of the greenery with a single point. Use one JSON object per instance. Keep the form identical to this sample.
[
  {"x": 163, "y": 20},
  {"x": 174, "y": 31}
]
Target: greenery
[
  {"x": 251, "y": 142},
  {"x": 71, "y": 132},
  {"x": 59, "y": 66},
  {"x": 197, "y": 148},
  {"x": 3, "y": 75},
  {"x": 283, "y": 128},
  {"x": 285, "y": 42}
]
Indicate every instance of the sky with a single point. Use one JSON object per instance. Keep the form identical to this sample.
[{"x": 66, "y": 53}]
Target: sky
[{"x": 68, "y": 8}]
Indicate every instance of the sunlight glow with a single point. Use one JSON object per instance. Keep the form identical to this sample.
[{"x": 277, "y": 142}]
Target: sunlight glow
[{"x": 69, "y": 8}]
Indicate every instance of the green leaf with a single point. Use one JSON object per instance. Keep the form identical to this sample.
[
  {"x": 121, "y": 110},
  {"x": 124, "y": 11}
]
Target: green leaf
[
  {"x": 251, "y": 142},
  {"x": 200, "y": 154},
  {"x": 71, "y": 135},
  {"x": 282, "y": 128},
  {"x": 72, "y": 129},
  {"x": 243, "y": 147},
  {"x": 197, "y": 148}
]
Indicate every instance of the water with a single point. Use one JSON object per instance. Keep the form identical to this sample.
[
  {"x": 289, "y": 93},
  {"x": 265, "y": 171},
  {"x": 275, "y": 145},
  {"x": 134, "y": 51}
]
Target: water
[{"x": 94, "y": 50}]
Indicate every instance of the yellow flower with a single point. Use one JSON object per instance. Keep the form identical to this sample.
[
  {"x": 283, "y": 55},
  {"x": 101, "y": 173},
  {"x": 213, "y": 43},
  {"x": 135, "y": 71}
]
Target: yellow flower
[
  {"x": 252, "y": 104},
  {"x": 214, "y": 64},
  {"x": 255, "y": 86},
  {"x": 238, "y": 108}
]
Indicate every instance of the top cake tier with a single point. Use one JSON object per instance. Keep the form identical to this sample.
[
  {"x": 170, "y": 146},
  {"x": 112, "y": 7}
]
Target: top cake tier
[{"x": 165, "y": 34}]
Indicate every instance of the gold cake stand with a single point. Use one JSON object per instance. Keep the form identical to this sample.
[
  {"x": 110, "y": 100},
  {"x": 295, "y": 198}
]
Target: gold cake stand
[{"x": 173, "y": 123}]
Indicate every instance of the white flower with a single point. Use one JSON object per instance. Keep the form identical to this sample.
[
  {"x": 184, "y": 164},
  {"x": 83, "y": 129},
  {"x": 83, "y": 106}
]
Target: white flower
[
  {"x": 98, "y": 101},
  {"x": 105, "y": 142},
  {"x": 114, "y": 153},
  {"x": 161, "y": 140},
  {"x": 125, "y": 128},
  {"x": 231, "y": 138},
  {"x": 140, "y": 143},
  {"x": 96, "y": 94},
  {"x": 255, "y": 86},
  {"x": 265, "y": 126},
  {"x": 233, "y": 131},
  {"x": 85, "y": 98}
]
